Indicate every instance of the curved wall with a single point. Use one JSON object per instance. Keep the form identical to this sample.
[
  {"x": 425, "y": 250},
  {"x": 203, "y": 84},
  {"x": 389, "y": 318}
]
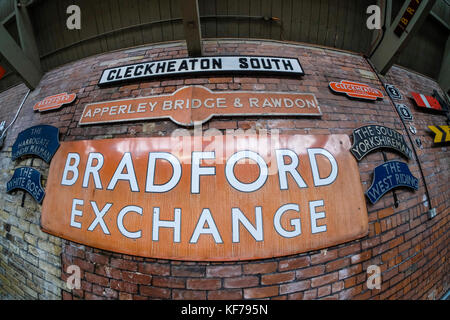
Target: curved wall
[{"x": 410, "y": 248}]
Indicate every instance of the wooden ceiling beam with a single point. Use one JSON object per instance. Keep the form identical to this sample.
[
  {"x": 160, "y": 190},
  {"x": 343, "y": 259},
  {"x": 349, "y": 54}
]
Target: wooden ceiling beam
[
  {"x": 192, "y": 28},
  {"x": 392, "y": 43}
]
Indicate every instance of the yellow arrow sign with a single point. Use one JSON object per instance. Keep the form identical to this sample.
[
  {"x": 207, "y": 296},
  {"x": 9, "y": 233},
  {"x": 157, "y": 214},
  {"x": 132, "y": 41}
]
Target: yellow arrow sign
[{"x": 440, "y": 131}]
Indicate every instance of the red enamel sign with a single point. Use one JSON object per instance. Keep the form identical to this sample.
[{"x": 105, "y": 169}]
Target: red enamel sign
[
  {"x": 426, "y": 101},
  {"x": 356, "y": 90},
  {"x": 54, "y": 102}
]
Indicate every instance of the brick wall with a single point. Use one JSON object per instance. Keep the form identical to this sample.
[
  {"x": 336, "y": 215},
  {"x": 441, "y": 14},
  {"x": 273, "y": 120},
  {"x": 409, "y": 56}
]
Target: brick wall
[{"x": 410, "y": 249}]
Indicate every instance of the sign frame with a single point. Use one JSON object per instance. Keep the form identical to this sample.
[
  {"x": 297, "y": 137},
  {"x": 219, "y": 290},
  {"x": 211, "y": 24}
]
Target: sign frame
[
  {"x": 47, "y": 134},
  {"x": 380, "y": 176},
  {"x": 339, "y": 221},
  {"x": 297, "y": 69},
  {"x": 200, "y": 90},
  {"x": 32, "y": 176},
  {"x": 376, "y": 93},
  {"x": 358, "y": 140}
]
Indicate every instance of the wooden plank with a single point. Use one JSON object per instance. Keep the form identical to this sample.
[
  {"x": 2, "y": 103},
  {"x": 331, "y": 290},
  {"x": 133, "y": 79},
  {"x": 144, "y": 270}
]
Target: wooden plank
[
  {"x": 305, "y": 20},
  {"x": 222, "y": 24},
  {"x": 296, "y": 20},
  {"x": 191, "y": 25},
  {"x": 286, "y": 19},
  {"x": 144, "y": 15},
  {"x": 341, "y": 24},
  {"x": 349, "y": 24},
  {"x": 208, "y": 26},
  {"x": 256, "y": 25},
  {"x": 167, "y": 27},
  {"x": 118, "y": 37},
  {"x": 178, "y": 31},
  {"x": 323, "y": 22},
  {"x": 232, "y": 25},
  {"x": 154, "y": 13},
  {"x": 314, "y": 22},
  {"x": 332, "y": 23},
  {"x": 244, "y": 24},
  {"x": 275, "y": 31},
  {"x": 266, "y": 11}
]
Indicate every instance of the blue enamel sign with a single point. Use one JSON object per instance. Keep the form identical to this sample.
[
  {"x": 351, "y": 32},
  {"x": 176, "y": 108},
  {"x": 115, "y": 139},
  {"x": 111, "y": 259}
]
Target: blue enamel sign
[
  {"x": 388, "y": 176},
  {"x": 41, "y": 141},
  {"x": 28, "y": 179}
]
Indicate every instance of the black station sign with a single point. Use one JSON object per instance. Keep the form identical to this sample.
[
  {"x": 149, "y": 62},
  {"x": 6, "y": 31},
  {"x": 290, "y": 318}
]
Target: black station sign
[
  {"x": 28, "y": 179},
  {"x": 372, "y": 137},
  {"x": 388, "y": 176},
  {"x": 393, "y": 92},
  {"x": 41, "y": 141},
  {"x": 404, "y": 112},
  {"x": 203, "y": 65}
]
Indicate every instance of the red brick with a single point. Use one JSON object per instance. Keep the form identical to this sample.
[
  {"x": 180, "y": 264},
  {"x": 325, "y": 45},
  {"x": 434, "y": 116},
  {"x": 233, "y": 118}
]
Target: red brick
[
  {"x": 188, "y": 294},
  {"x": 223, "y": 271},
  {"x": 261, "y": 292},
  {"x": 125, "y": 296},
  {"x": 155, "y": 269},
  {"x": 123, "y": 264},
  {"x": 93, "y": 278},
  {"x": 325, "y": 279},
  {"x": 349, "y": 249},
  {"x": 324, "y": 291},
  {"x": 294, "y": 286},
  {"x": 137, "y": 278},
  {"x": 169, "y": 282},
  {"x": 310, "y": 272},
  {"x": 337, "y": 264},
  {"x": 295, "y": 263},
  {"x": 277, "y": 278},
  {"x": 97, "y": 258},
  {"x": 337, "y": 286},
  {"x": 225, "y": 295},
  {"x": 255, "y": 268},
  {"x": 123, "y": 286},
  {"x": 241, "y": 282},
  {"x": 310, "y": 294},
  {"x": 348, "y": 272},
  {"x": 203, "y": 284},
  {"x": 154, "y": 292},
  {"x": 385, "y": 213},
  {"x": 324, "y": 256},
  {"x": 360, "y": 257}
]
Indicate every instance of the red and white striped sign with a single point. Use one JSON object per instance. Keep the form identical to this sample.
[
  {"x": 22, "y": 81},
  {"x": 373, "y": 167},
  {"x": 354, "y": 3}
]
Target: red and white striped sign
[{"x": 426, "y": 101}]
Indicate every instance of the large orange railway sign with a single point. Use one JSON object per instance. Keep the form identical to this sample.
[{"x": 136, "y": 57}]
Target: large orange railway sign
[
  {"x": 221, "y": 198},
  {"x": 196, "y": 104}
]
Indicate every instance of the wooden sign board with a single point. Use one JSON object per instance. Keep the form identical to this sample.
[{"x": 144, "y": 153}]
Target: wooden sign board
[
  {"x": 221, "y": 198},
  {"x": 199, "y": 66},
  {"x": 196, "y": 104}
]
